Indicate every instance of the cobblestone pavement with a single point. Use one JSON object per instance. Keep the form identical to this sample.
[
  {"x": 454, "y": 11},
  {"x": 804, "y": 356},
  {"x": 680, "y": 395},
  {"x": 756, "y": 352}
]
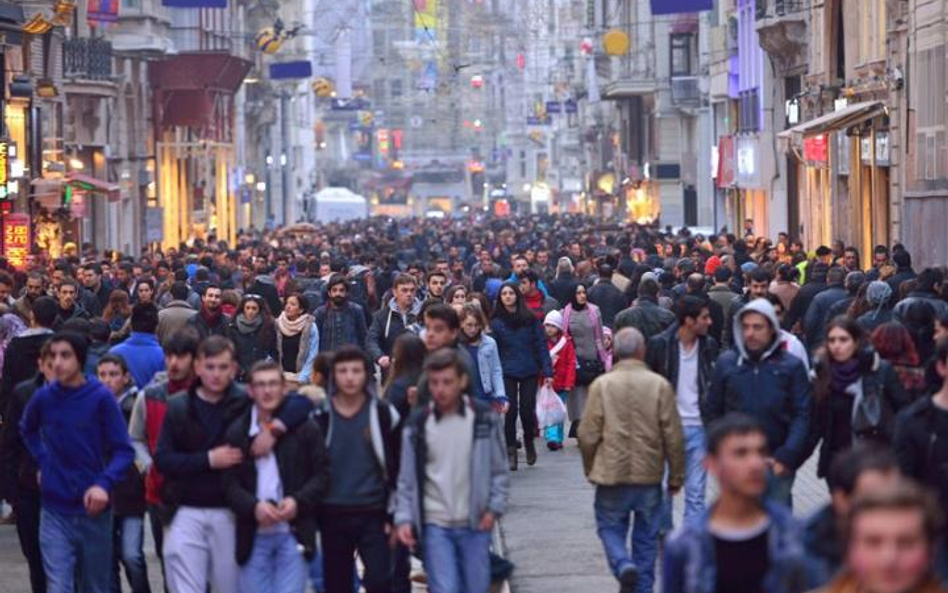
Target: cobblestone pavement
[{"x": 550, "y": 533}]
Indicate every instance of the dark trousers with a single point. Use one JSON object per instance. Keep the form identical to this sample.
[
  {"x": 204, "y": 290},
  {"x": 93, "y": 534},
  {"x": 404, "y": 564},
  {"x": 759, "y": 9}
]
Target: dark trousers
[
  {"x": 158, "y": 535},
  {"x": 522, "y": 394},
  {"x": 346, "y": 532},
  {"x": 401, "y": 569},
  {"x": 27, "y": 530}
]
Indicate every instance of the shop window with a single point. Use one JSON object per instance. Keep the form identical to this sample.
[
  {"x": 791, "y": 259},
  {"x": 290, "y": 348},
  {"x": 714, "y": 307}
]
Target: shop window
[
  {"x": 682, "y": 55},
  {"x": 931, "y": 151}
]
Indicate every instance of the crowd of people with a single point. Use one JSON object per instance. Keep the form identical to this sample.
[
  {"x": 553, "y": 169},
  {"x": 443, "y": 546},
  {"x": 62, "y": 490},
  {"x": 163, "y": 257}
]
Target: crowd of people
[{"x": 275, "y": 409}]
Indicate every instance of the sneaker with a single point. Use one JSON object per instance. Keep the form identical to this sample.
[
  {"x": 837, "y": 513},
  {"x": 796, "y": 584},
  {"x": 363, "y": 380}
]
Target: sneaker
[{"x": 627, "y": 580}]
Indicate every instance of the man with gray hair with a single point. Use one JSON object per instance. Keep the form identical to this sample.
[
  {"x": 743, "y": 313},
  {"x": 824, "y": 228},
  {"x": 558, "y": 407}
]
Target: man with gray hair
[{"x": 630, "y": 430}]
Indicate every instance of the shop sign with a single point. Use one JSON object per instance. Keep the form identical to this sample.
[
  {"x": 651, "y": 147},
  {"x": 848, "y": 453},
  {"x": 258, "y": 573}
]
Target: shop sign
[
  {"x": 4, "y": 169},
  {"x": 16, "y": 239},
  {"x": 726, "y": 173},
  {"x": 748, "y": 167},
  {"x": 844, "y": 148},
  {"x": 814, "y": 149},
  {"x": 882, "y": 149},
  {"x": 154, "y": 224}
]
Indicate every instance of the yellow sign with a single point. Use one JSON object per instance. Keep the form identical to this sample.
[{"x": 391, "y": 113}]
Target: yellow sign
[
  {"x": 616, "y": 42},
  {"x": 426, "y": 14},
  {"x": 4, "y": 176}
]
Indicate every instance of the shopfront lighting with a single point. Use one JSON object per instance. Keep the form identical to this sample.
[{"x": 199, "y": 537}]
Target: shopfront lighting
[
  {"x": 76, "y": 164},
  {"x": 261, "y": 186},
  {"x": 269, "y": 159},
  {"x": 283, "y": 160},
  {"x": 249, "y": 179}
]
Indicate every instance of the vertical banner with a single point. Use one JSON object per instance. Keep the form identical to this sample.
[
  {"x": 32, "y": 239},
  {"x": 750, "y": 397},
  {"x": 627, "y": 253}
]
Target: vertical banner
[{"x": 16, "y": 239}]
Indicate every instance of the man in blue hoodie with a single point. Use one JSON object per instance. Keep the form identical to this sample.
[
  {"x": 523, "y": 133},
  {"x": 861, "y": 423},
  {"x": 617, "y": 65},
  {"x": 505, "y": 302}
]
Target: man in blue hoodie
[
  {"x": 141, "y": 350},
  {"x": 76, "y": 432}
]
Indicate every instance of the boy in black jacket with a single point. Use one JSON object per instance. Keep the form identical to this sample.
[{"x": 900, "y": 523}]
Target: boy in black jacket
[
  {"x": 192, "y": 455},
  {"x": 275, "y": 496}
]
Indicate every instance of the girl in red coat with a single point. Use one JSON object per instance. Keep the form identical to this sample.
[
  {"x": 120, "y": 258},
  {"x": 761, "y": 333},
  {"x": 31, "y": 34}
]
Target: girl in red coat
[{"x": 563, "y": 355}]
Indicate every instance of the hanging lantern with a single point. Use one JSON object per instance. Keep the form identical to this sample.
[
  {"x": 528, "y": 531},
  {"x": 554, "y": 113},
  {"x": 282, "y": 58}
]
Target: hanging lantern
[
  {"x": 269, "y": 41},
  {"x": 616, "y": 42},
  {"x": 323, "y": 87}
]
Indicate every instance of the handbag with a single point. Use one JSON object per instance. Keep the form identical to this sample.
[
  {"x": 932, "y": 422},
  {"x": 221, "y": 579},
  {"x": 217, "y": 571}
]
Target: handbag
[{"x": 588, "y": 370}]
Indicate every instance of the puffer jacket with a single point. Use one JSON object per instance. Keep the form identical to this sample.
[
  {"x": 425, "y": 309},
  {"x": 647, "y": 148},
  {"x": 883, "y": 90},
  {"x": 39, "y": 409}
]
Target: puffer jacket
[
  {"x": 774, "y": 389},
  {"x": 522, "y": 349},
  {"x": 689, "y": 565},
  {"x": 631, "y": 428}
]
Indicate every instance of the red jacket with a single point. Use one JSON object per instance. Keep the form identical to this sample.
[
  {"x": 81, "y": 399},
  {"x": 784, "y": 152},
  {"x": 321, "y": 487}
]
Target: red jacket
[{"x": 564, "y": 364}]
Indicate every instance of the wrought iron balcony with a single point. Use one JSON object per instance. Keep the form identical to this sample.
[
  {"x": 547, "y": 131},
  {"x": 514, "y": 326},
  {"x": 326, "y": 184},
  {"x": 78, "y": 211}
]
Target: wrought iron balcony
[{"x": 87, "y": 59}]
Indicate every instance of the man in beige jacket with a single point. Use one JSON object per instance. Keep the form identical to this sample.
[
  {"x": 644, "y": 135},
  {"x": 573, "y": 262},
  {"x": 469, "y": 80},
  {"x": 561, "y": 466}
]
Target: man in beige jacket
[{"x": 630, "y": 430}]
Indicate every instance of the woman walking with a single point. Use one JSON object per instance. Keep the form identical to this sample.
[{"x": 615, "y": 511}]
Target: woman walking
[
  {"x": 253, "y": 333},
  {"x": 488, "y": 384},
  {"x": 297, "y": 339},
  {"x": 857, "y": 393},
  {"x": 524, "y": 357},
  {"x": 583, "y": 323}
]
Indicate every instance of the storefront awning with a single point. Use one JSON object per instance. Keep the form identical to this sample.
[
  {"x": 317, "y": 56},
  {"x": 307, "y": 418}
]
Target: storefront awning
[
  {"x": 838, "y": 120},
  {"x": 43, "y": 187}
]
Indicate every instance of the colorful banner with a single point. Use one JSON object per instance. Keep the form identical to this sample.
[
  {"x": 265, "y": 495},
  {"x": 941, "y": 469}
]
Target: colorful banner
[
  {"x": 16, "y": 239},
  {"x": 194, "y": 3},
  {"x": 102, "y": 11},
  {"x": 727, "y": 170}
]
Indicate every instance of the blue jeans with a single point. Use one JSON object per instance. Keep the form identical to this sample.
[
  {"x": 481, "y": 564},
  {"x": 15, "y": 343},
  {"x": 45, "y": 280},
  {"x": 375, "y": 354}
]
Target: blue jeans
[
  {"x": 76, "y": 544},
  {"x": 457, "y": 560},
  {"x": 780, "y": 488},
  {"x": 696, "y": 479},
  {"x": 276, "y": 565},
  {"x": 554, "y": 434},
  {"x": 128, "y": 537},
  {"x": 613, "y": 506}
]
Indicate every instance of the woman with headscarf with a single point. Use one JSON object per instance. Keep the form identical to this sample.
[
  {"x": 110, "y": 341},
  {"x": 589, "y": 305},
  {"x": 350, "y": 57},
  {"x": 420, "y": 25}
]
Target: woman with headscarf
[
  {"x": 583, "y": 323},
  {"x": 878, "y": 297},
  {"x": 253, "y": 333}
]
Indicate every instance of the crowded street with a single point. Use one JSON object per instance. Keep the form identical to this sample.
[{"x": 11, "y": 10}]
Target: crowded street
[{"x": 474, "y": 296}]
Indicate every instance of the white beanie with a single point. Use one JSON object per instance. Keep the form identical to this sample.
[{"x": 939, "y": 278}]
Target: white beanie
[{"x": 555, "y": 318}]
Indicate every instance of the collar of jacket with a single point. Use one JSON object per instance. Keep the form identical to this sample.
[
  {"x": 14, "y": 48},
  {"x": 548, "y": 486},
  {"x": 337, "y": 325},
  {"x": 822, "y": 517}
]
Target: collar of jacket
[{"x": 628, "y": 364}]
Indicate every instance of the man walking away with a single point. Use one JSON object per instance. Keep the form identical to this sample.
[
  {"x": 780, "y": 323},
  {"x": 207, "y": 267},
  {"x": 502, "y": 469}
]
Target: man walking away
[
  {"x": 685, "y": 354},
  {"x": 630, "y": 430},
  {"x": 758, "y": 377},
  {"x": 744, "y": 543},
  {"x": 75, "y": 431},
  {"x": 275, "y": 495},
  {"x": 453, "y": 480},
  {"x": 141, "y": 350}
]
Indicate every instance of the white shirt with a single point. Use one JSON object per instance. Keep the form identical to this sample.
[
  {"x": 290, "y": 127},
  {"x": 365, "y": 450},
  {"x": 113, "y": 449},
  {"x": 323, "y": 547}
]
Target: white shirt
[
  {"x": 686, "y": 391},
  {"x": 269, "y": 484}
]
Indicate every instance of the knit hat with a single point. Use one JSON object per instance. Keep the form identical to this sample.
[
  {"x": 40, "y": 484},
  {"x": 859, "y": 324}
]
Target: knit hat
[
  {"x": 555, "y": 318},
  {"x": 878, "y": 293},
  {"x": 748, "y": 267}
]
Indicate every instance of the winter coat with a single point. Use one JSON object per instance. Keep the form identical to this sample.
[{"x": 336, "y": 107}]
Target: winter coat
[
  {"x": 252, "y": 347},
  {"x": 564, "y": 364},
  {"x": 901, "y": 309},
  {"x": 388, "y": 324},
  {"x": 128, "y": 496},
  {"x": 352, "y": 331},
  {"x": 143, "y": 355},
  {"x": 173, "y": 318},
  {"x": 663, "y": 354},
  {"x": 489, "y": 476},
  {"x": 817, "y": 314},
  {"x": 596, "y": 321},
  {"x": 304, "y": 475},
  {"x": 204, "y": 329},
  {"x": 610, "y": 300},
  {"x": 522, "y": 349},
  {"x": 689, "y": 564},
  {"x": 921, "y": 450},
  {"x": 880, "y": 387},
  {"x": 774, "y": 389},
  {"x": 631, "y": 428},
  {"x": 19, "y": 467},
  {"x": 309, "y": 349},
  {"x": 645, "y": 315}
]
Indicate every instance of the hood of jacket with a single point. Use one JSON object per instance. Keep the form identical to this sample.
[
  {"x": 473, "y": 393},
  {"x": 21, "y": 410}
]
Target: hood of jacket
[
  {"x": 763, "y": 307},
  {"x": 414, "y": 309}
]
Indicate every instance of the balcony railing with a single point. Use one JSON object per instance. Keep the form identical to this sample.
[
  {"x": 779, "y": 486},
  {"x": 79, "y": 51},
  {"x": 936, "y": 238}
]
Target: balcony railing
[
  {"x": 685, "y": 90},
  {"x": 88, "y": 59},
  {"x": 779, "y": 8}
]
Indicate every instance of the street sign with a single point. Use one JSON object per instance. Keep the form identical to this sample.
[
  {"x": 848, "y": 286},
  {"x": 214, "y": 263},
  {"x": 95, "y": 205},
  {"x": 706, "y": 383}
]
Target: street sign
[
  {"x": 539, "y": 121},
  {"x": 554, "y": 107}
]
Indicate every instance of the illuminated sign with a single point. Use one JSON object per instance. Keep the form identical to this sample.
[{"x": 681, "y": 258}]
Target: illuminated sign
[
  {"x": 814, "y": 149},
  {"x": 4, "y": 167},
  {"x": 16, "y": 239}
]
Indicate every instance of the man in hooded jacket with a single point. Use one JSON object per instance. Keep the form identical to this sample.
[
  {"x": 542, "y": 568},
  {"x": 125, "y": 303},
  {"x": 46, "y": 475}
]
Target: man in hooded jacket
[{"x": 759, "y": 378}]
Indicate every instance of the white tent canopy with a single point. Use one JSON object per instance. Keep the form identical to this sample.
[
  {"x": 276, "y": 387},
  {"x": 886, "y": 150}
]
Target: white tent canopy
[{"x": 335, "y": 204}]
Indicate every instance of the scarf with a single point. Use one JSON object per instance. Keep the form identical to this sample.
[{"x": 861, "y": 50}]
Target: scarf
[
  {"x": 210, "y": 317},
  {"x": 291, "y": 328},
  {"x": 248, "y": 326},
  {"x": 557, "y": 348},
  {"x": 844, "y": 374}
]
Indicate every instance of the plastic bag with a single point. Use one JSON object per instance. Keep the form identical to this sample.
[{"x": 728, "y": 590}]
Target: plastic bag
[{"x": 550, "y": 408}]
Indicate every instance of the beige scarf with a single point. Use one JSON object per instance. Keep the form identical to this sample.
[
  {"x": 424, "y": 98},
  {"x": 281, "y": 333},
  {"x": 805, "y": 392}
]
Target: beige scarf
[{"x": 291, "y": 328}]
